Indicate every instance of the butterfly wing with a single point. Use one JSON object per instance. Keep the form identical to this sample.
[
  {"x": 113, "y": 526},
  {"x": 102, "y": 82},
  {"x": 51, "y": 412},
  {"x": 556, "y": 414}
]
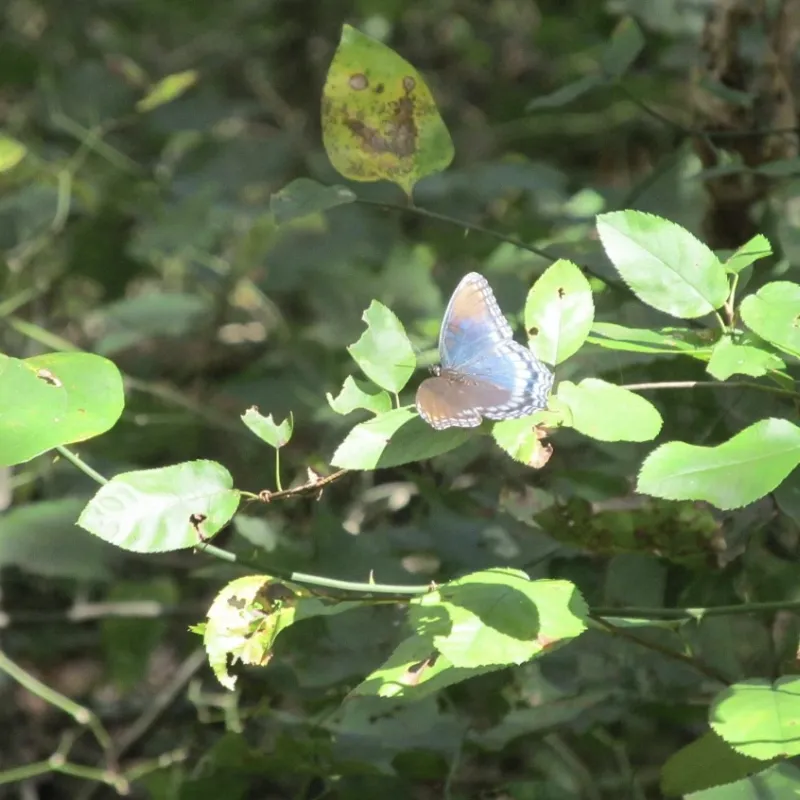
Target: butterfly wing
[
  {"x": 446, "y": 401},
  {"x": 485, "y": 373},
  {"x": 472, "y": 322}
]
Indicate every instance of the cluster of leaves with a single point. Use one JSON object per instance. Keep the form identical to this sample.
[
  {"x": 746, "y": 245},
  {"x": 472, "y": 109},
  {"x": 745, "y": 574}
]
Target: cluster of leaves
[{"x": 380, "y": 122}]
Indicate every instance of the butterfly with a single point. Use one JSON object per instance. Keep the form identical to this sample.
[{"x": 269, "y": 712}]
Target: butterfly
[{"x": 483, "y": 371}]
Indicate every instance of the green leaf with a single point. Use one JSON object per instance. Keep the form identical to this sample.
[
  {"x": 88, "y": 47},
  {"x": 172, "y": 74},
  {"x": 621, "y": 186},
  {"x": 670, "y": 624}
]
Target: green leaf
[
  {"x": 414, "y": 671},
  {"x": 522, "y": 440},
  {"x": 752, "y": 250},
  {"x": 672, "y": 341},
  {"x": 499, "y": 617},
  {"x": 608, "y": 412},
  {"x": 41, "y": 539},
  {"x": 274, "y": 434},
  {"x": 304, "y": 196},
  {"x": 705, "y": 763},
  {"x": 732, "y": 358},
  {"x": 383, "y": 352},
  {"x": 396, "y": 437},
  {"x": 355, "y": 395},
  {"x": 730, "y": 475},
  {"x": 154, "y": 510},
  {"x": 566, "y": 94},
  {"x": 664, "y": 265},
  {"x": 55, "y": 399},
  {"x": 379, "y": 118},
  {"x": 642, "y": 340},
  {"x": 11, "y": 153},
  {"x": 167, "y": 89},
  {"x": 725, "y": 93},
  {"x": 248, "y": 614},
  {"x": 759, "y": 719},
  {"x": 128, "y": 644},
  {"x": 627, "y": 41},
  {"x": 559, "y": 312},
  {"x": 773, "y": 312}
]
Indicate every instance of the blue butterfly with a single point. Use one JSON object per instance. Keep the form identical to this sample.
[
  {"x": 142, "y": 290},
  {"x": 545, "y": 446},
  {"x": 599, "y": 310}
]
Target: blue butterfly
[{"x": 483, "y": 371}]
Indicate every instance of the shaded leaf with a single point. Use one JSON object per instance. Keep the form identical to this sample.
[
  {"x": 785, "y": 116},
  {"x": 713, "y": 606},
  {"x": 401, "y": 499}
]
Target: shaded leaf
[
  {"x": 566, "y": 94},
  {"x": 704, "y": 763},
  {"x": 304, "y": 196},
  {"x": 41, "y": 538},
  {"x": 627, "y": 41},
  {"x": 730, "y": 475}
]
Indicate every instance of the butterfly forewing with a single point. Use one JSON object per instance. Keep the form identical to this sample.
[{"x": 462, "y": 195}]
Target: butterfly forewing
[{"x": 472, "y": 322}]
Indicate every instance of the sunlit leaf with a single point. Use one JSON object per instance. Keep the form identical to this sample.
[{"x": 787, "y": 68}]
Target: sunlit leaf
[
  {"x": 383, "y": 352},
  {"x": 248, "y": 614},
  {"x": 170, "y": 508},
  {"x": 499, "y": 617},
  {"x": 559, "y": 312},
  {"x": 758, "y": 718},
  {"x": 11, "y": 153},
  {"x": 664, "y": 265},
  {"x": 730, "y": 475},
  {"x": 609, "y": 413},
  {"x": 167, "y": 89},
  {"x": 773, "y": 312},
  {"x": 355, "y": 395},
  {"x": 643, "y": 340},
  {"x": 379, "y": 118},
  {"x": 396, "y": 437},
  {"x": 55, "y": 399},
  {"x": 523, "y": 440},
  {"x": 734, "y": 358},
  {"x": 756, "y": 248},
  {"x": 273, "y": 433}
]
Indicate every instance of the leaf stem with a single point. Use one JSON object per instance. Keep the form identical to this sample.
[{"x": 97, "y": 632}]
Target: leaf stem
[{"x": 78, "y": 462}]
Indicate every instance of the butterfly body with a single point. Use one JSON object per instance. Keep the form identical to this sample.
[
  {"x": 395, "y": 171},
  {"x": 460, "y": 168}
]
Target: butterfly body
[{"x": 484, "y": 373}]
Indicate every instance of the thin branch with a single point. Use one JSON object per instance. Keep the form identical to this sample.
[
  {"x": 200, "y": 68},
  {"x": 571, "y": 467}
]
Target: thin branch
[
  {"x": 709, "y": 385},
  {"x": 676, "y": 655}
]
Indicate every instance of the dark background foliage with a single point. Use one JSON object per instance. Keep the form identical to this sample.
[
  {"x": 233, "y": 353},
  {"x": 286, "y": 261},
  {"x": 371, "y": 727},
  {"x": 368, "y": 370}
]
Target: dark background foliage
[{"x": 148, "y": 238}]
